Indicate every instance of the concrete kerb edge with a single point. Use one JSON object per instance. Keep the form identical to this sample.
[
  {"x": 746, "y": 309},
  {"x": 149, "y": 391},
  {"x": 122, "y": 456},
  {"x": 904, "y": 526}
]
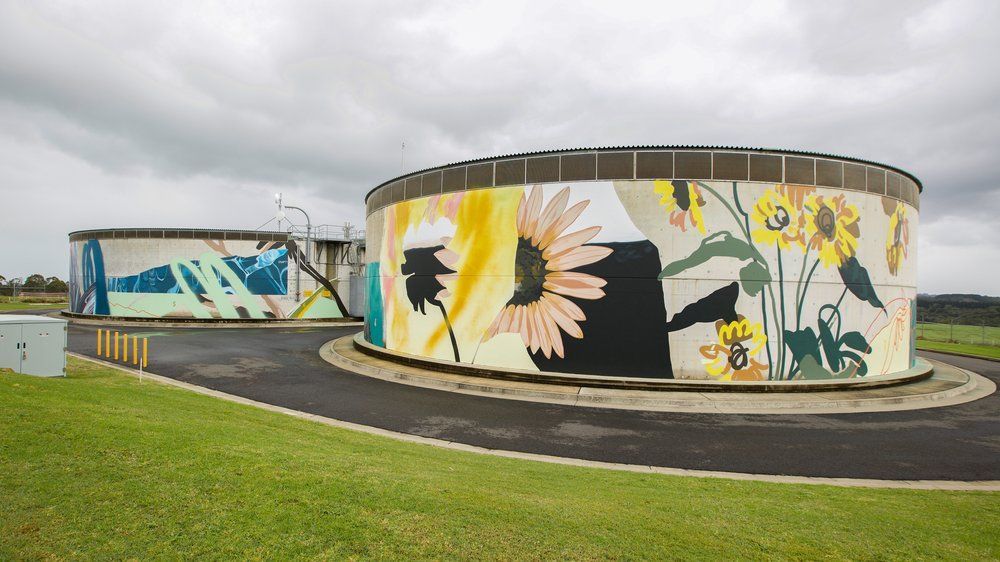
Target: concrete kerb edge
[
  {"x": 140, "y": 323},
  {"x": 919, "y": 372},
  {"x": 756, "y": 403},
  {"x": 950, "y": 485}
]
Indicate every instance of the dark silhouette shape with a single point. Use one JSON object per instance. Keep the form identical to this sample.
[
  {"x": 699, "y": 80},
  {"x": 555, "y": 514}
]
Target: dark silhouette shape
[
  {"x": 422, "y": 267},
  {"x": 718, "y": 305}
]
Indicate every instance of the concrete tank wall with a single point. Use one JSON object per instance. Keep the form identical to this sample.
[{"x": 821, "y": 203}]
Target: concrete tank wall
[
  {"x": 670, "y": 278},
  {"x": 197, "y": 274}
]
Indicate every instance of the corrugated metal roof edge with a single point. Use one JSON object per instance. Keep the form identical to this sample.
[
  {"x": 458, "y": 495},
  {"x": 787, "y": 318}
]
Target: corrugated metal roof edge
[
  {"x": 920, "y": 185},
  {"x": 88, "y": 230}
]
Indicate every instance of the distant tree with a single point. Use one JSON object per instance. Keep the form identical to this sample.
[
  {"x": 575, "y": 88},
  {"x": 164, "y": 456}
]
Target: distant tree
[
  {"x": 55, "y": 285},
  {"x": 3, "y": 281},
  {"x": 35, "y": 281}
]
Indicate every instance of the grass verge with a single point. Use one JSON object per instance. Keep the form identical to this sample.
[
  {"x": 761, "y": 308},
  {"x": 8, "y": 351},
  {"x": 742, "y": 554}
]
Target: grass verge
[
  {"x": 99, "y": 465},
  {"x": 985, "y": 351},
  {"x": 9, "y": 304}
]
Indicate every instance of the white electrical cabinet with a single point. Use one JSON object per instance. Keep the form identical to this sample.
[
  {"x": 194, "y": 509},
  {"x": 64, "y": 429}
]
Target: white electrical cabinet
[{"x": 33, "y": 345}]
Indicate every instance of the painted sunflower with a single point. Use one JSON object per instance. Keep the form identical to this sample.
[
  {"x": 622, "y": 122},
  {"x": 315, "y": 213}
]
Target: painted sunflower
[
  {"x": 540, "y": 309},
  {"x": 683, "y": 200},
  {"x": 779, "y": 220},
  {"x": 733, "y": 357},
  {"x": 897, "y": 239},
  {"x": 831, "y": 228}
]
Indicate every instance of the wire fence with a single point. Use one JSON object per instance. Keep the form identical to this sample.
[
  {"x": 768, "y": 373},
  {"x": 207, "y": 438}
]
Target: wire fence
[{"x": 954, "y": 332}]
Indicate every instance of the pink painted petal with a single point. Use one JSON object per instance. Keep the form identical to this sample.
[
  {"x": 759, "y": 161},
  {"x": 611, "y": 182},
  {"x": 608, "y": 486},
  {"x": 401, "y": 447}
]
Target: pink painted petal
[
  {"x": 545, "y": 343},
  {"x": 575, "y": 277},
  {"x": 567, "y": 307},
  {"x": 560, "y": 318},
  {"x": 447, "y": 257},
  {"x": 534, "y": 206},
  {"x": 579, "y": 291},
  {"x": 531, "y": 329},
  {"x": 522, "y": 212},
  {"x": 492, "y": 330},
  {"x": 522, "y": 325},
  {"x": 577, "y": 257},
  {"x": 565, "y": 243},
  {"x": 552, "y": 212},
  {"x": 506, "y": 315},
  {"x": 442, "y": 294},
  {"x": 562, "y": 223},
  {"x": 555, "y": 338}
]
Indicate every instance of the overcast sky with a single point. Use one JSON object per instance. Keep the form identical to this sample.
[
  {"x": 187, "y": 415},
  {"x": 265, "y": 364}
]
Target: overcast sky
[{"x": 191, "y": 114}]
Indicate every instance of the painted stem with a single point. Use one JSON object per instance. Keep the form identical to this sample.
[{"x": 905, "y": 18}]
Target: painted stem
[
  {"x": 798, "y": 312},
  {"x": 743, "y": 230},
  {"x": 836, "y": 310},
  {"x": 763, "y": 297},
  {"x": 451, "y": 333},
  {"x": 798, "y": 286},
  {"x": 767, "y": 346},
  {"x": 774, "y": 314},
  {"x": 781, "y": 291}
]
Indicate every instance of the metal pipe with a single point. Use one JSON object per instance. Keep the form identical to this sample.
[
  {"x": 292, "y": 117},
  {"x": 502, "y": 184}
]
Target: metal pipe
[{"x": 298, "y": 276}]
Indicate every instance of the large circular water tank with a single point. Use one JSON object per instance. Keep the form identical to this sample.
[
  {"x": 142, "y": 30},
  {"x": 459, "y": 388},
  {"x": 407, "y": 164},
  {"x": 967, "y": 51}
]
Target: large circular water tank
[
  {"x": 197, "y": 274},
  {"x": 666, "y": 262}
]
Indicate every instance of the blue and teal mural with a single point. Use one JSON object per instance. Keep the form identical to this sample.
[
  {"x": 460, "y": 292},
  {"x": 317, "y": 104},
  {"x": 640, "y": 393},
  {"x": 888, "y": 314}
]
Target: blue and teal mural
[
  {"x": 263, "y": 274},
  {"x": 200, "y": 278}
]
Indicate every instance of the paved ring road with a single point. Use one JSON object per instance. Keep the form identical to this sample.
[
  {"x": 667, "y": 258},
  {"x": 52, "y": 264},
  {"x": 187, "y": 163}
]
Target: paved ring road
[{"x": 282, "y": 366}]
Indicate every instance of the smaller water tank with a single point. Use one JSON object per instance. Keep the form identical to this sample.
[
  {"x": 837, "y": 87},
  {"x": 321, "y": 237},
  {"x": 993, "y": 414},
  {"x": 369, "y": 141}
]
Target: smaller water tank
[{"x": 33, "y": 345}]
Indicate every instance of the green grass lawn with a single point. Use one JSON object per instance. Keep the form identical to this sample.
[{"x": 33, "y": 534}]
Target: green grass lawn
[
  {"x": 988, "y": 351},
  {"x": 968, "y": 340},
  {"x": 961, "y": 333},
  {"x": 99, "y": 465},
  {"x": 8, "y": 304}
]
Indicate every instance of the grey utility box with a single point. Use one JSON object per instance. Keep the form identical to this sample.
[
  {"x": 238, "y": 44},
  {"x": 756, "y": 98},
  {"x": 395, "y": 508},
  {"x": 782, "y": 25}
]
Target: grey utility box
[{"x": 33, "y": 345}]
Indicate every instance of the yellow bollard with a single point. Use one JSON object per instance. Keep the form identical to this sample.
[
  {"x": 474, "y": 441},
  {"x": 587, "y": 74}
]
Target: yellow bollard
[
  {"x": 107, "y": 343},
  {"x": 116, "y": 346},
  {"x": 125, "y": 351},
  {"x": 145, "y": 351},
  {"x": 99, "y": 334},
  {"x": 135, "y": 350}
]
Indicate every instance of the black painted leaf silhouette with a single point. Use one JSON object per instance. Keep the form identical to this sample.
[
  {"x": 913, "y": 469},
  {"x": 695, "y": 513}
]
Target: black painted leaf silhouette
[{"x": 718, "y": 305}]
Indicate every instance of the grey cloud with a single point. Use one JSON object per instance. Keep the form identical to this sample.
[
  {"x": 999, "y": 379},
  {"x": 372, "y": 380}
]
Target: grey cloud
[{"x": 314, "y": 98}]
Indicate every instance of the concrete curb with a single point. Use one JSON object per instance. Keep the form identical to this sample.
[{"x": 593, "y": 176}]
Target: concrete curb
[
  {"x": 948, "y": 386},
  {"x": 919, "y": 372},
  {"x": 118, "y": 321},
  {"x": 952, "y": 485}
]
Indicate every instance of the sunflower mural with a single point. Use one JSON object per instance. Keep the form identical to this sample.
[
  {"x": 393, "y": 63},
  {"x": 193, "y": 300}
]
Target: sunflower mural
[
  {"x": 778, "y": 219},
  {"x": 735, "y": 355},
  {"x": 782, "y": 229},
  {"x": 723, "y": 280},
  {"x": 419, "y": 260},
  {"x": 683, "y": 201},
  {"x": 541, "y": 309},
  {"x": 832, "y": 228},
  {"x": 897, "y": 239}
]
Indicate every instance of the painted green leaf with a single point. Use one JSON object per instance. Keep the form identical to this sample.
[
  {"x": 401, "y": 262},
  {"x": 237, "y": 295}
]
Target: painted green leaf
[
  {"x": 753, "y": 277},
  {"x": 811, "y": 370},
  {"x": 857, "y": 281},
  {"x": 720, "y": 244},
  {"x": 854, "y": 340},
  {"x": 830, "y": 348},
  {"x": 803, "y": 343}
]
